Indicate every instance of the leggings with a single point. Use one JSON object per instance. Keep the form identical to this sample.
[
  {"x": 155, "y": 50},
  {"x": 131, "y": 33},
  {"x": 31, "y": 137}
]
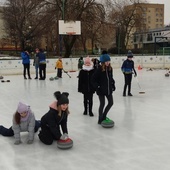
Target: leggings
[{"x": 102, "y": 114}]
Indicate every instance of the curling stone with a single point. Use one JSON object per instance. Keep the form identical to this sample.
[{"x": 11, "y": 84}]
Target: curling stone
[
  {"x": 65, "y": 144},
  {"x": 3, "y": 81},
  {"x": 107, "y": 123},
  {"x": 51, "y": 78},
  {"x": 166, "y": 75},
  {"x": 1, "y": 77},
  {"x": 56, "y": 78}
]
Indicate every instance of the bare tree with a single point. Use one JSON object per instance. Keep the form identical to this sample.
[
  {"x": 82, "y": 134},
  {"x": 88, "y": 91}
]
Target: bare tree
[
  {"x": 26, "y": 19},
  {"x": 123, "y": 14},
  {"x": 92, "y": 20},
  {"x": 76, "y": 10}
]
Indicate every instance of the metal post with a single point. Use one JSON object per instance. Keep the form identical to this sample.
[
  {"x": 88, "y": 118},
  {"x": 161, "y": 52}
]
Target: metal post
[
  {"x": 155, "y": 46},
  {"x": 119, "y": 41},
  {"x": 63, "y": 9},
  {"x": 60, "y": 36}
]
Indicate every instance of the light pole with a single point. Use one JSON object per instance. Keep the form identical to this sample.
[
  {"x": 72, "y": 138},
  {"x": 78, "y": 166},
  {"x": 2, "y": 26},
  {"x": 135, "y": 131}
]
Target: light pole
[
  {"x": 63, "y": 9},
  {"x": 60, "y": 36},
  {"x": 118, "y": 40}
]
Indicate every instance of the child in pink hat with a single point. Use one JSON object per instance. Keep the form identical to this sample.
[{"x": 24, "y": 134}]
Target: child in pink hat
[{"x": 85, "y": 86}]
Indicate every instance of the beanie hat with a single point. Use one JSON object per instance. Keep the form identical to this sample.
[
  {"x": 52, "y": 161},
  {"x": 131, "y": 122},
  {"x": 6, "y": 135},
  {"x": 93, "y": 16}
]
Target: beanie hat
[
  {"x": 22, "y": 108},
  {"x": 87, "y": 61},
  {"x": 61, "y": 98},
  {"x": 130, "y": 54},
  {"x": 104, "y": 58}
]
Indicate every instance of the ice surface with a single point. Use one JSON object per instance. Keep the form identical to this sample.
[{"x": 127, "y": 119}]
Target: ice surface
[{"x": 140, "y": 139}]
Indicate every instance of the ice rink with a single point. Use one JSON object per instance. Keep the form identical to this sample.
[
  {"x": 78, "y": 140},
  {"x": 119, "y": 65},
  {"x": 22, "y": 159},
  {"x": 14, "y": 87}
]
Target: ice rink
[{"x": 140, "y": 139}]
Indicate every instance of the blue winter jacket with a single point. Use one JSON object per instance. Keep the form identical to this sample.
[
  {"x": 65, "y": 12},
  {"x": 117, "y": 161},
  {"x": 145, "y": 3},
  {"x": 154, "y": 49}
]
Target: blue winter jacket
[
  {"x": 128, "y": 67},
  {"x": 42, "y": 58},
  {"x": 25, "y": 58}
]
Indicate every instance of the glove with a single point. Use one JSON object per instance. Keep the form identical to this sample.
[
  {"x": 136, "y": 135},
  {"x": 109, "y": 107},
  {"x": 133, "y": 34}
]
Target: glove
[
  {"x": 135, "y": 75},
  {"x": 17, "y": 142},
  {"x": 55, "y": 68},
  {"x": 64, "y": 136},
  {"x": 29, "y": 141}
]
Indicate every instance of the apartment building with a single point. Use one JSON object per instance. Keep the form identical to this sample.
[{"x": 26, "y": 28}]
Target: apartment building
[
  {"x": 153, "y": 15},
  {"x": 152, "y": 18}
]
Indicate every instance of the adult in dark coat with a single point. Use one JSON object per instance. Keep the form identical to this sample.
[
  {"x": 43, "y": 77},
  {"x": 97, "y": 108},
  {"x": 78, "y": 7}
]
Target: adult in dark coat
[
  {"x": 85, "y": 86},
  {"x": 104, "y": 84},
  {"x": 128, "y": 69},
  {"x": 54, "y": 118}
]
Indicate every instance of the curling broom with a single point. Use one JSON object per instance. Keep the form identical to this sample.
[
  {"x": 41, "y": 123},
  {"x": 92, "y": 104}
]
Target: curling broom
[{"x": 140, "y": 92}]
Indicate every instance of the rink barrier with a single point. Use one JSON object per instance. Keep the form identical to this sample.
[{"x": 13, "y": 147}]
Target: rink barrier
[{"x": 10, "y": 67}]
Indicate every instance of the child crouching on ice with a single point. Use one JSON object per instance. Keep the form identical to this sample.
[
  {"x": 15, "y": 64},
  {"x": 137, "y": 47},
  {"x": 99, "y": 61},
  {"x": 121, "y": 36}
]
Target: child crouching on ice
[
  {"x": 55, "y": 118},
  {"x": 23, "y": 121}
]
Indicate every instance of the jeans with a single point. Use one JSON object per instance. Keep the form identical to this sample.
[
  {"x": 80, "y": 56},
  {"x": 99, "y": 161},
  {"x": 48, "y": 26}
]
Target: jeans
[{"x": 36, "y": 70}]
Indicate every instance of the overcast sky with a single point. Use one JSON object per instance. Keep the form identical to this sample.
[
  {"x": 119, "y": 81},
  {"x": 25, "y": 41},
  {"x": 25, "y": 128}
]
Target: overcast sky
[{"x": 167, "y": 8}]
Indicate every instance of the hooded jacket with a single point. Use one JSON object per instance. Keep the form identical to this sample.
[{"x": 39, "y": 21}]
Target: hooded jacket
[{"x": 52, "y": 120}]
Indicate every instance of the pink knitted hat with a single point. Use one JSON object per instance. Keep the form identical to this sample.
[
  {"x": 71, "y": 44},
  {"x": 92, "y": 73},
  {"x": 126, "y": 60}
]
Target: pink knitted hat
[{"x": 22, "y": 108}]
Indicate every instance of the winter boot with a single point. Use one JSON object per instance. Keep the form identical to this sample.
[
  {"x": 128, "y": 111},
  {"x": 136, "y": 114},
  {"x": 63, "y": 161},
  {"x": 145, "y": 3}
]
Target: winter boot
[
  {"x": 90, "y": 108},
  {"x": 85, "y": 108},
  {"x": 129, "y": 90},
  {"x": 100, "y": 119},
  {"x": 124, "y": 90}
]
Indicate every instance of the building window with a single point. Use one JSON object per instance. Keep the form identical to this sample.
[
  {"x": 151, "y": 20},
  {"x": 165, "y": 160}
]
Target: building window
[
  {"x": 141, "y": 38},
  {"x": 149, "y": 37},
  {"x": 144, "y": 14},
  {"x": 144, "y": 9}
]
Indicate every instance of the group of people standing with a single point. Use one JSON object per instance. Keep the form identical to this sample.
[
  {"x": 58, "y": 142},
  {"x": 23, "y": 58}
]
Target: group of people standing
[
  {"x": 100, "y": 80},
  {"x": 39, "y": 63}
]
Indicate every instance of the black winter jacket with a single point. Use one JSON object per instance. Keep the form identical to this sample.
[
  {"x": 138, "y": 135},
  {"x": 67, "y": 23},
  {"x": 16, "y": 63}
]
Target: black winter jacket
[
  {"x": 103, "y": 81},
  {"x": 52, "y": 120},
  {"x": 84, "y": 82}
]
